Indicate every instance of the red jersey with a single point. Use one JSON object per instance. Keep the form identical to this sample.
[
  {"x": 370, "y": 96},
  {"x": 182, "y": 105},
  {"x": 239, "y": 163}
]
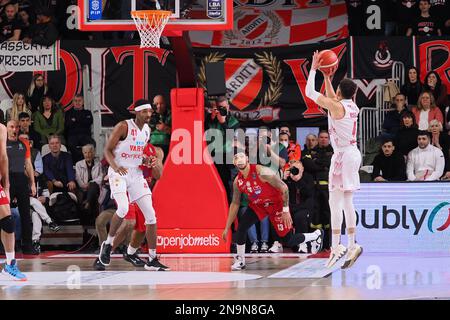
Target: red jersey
[
  {"x": 259, "y": 193},
  {"x": 149, "y": 151}
]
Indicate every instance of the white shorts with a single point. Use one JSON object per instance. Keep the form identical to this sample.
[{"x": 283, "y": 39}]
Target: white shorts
[
  {"x": 133, "y": 183},
  {"x": 344, "y": 170}
]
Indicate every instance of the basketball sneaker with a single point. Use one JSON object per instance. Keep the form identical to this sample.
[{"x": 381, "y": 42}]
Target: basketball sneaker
[
  {"x": 105, "y": 253},
  {"x": 264, "y": 247},
  {"x": 254, "y": 248},
  {"x": 98, "y": 265},
  {"x": 302, "y": 248},
  {"x": 353, "y": 254},
  {"x": 238, "y": 264},
  {"x": 155, "y": 265},
  {"x": 133, "y": 259},
  {"x": 335, "y": 255},
  {"x": 12, "y": 271},
  {"x": 316, "y": 245},
  {"x": 277, "y": 247}
]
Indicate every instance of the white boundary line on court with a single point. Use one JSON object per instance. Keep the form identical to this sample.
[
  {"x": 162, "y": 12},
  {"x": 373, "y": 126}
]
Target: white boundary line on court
[{"x": 192, "y": 255}]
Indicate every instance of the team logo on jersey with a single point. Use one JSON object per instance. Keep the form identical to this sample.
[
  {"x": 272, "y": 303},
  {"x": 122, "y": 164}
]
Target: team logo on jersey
[
  {"x": 383, "y": 58},
  {"x": 257, "y": 189}
]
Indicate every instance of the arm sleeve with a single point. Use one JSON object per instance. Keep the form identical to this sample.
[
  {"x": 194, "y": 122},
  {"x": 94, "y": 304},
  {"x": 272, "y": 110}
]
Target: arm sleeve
[
  {"x": 59, "y": 123},
  {"x": 38, "y": 165},
  {"x": 410, "y": 167},
  {"x": 401, "y": 169},
  {"x": 376, "y": 168},
  {"x": 47, "y": 171},
  {"x": 310, "y": 90},
  {"x": 78, "y": 174},
  {"x": 69, "y": 168},
  {"x": 440, "y": 165}
]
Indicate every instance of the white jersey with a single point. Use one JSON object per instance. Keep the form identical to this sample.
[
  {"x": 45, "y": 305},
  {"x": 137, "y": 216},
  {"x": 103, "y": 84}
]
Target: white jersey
[
  {"x": 128, "y": 152},
  {"x": 343, "y": 131}
]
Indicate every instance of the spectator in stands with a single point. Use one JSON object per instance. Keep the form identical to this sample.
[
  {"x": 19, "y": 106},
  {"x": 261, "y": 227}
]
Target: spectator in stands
[
  {"x": 391, "y": 123},
  {"x": 406, "y": 138},
  {"x": 89, "y": 177},
  {"x": 276, "y": 155},
  {"x": 36, "y": 91},
  {"x": 2, "y": 116},
  {"x": 426, "y": 111},
  {"x": 406, "y": 12},
  {"x": 426, "y": 162},
  {"x": 294, "y": 150},
  {"x": 18, "y": 105},
  {"x": 49, "y": 120},
  {"x": 301, "y": 199},
  {"x": 44, "y": 32},
  {"x": 424, "y": 24},
  {"x": 21, "y": 177},
  {"x": 58, "y": 168},
  {"x": 161, "y": 124},
  {"x": 412, "y": 87},
  {"x": 317, "y": 162},
  {"x": 10, "y": 26},
  {"x": 389, "y": 165},
  {"x": 310, "y": 142},
  {"x": 77, "y": 126},
  {"x": 433, "y": 83},
  {"x": 440, "y": 140},
  {"x": 26, "y": 23},
  {"x": 440, "y": 9},
  {"x": 217, "y": 121},
  {"x": 26, "y": 128}
]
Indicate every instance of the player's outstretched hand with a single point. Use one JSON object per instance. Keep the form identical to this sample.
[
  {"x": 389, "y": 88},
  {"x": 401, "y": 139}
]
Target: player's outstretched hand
[
  {"x": 316, "y": 62},
  {"x": 122, "y": 171},
  {"x": 287, "y": 219},
  {"x": 225, "y": 234}
]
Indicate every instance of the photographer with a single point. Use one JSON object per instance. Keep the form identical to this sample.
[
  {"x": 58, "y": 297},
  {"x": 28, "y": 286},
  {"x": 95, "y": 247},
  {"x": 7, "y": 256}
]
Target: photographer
[
  {"x": 317, "y": 163},
  {"x": 161, "y": 126},
  {"x": 218, "y": 117},
  {"x": 301, "y": 199}
]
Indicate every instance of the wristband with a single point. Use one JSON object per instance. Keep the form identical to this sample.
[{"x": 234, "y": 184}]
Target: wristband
[{"x": 285, "y": 209}]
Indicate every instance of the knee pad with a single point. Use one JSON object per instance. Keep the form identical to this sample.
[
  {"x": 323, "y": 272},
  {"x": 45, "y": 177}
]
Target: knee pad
[
  {"x": 146, "y": 206},
  {"x": 8, "y": 224},
  {"x": 122, "y": 210}
]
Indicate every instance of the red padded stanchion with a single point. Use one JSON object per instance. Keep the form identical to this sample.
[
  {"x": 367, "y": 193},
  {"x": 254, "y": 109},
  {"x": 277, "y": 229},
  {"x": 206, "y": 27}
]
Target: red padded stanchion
[{"x": 189, "y": 199}]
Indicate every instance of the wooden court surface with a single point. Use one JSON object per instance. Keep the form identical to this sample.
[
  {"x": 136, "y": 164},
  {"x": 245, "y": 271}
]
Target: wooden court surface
[{"x": 374, "y": 276}]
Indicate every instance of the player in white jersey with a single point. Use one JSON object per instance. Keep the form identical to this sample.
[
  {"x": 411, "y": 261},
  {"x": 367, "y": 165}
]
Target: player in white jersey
[
  {"x": 124, "y": 152},
  {"x": 346, "y": 160}
]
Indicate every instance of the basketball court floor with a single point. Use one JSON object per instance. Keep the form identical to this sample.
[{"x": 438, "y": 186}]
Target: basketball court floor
[{"x": 59, "y": 276}]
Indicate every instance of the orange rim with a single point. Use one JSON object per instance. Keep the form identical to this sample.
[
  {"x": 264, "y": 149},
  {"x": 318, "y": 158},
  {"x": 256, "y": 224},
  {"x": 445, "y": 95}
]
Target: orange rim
[{"x": 146, "y": 13}]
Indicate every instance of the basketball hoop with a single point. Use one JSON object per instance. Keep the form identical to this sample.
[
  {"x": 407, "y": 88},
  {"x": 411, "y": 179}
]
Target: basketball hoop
[{"x": 150, "y": 24}]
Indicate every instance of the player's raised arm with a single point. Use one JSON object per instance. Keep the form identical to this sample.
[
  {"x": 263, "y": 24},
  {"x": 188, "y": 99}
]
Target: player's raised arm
[
  {"x": 335, "y": 107},
  {"x": 119, "y": 132}
]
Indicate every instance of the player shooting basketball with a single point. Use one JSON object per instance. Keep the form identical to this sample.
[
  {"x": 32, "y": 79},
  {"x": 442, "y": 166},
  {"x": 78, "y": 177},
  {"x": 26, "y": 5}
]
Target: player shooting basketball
[{"x": 346, "y": 160}]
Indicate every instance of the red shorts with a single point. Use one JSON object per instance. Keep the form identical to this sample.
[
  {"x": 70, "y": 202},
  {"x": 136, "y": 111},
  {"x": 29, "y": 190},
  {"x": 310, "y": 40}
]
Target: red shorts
[
  {"x": 3, "y": 197},
  {"x": 274, "y": 212},
  {"x": 134, "y": 213}
]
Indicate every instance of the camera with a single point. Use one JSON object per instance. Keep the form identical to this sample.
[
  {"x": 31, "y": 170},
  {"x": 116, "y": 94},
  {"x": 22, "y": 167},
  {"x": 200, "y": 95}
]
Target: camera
[
  {"x": 223, "y": 111},
  {"x": 294, "y": 171}
]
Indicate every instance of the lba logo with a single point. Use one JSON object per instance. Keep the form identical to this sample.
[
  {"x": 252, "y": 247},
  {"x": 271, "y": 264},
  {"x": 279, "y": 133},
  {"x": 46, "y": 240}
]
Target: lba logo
[{"x": 439, "y": 210}]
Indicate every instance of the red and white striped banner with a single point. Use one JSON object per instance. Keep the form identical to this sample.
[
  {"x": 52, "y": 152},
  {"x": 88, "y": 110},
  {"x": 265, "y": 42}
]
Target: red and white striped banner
[{"x": 277, "y": 24}]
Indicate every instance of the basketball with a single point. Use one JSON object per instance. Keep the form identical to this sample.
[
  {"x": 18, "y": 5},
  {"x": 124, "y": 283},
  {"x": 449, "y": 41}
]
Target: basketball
[{"x": 329, "y": 61}]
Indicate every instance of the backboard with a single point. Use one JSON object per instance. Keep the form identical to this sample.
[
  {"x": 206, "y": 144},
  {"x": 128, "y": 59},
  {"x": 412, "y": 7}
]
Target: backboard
[{"x": 186, "y": 14}]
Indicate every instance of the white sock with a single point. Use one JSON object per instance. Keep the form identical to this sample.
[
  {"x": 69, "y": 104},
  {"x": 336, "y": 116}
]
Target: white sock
[
  {"x": 109, "y": 240},
  {"x": 335, "y": 239},
  {"x": 241, "y": 251},
  {"x": 152, "y": 253},
  {"x": 131, "y": 250},
  {"x": 351, "y": 239},
  {"x": 9, "y": 257},
  {"x": 310, "y": 236}
]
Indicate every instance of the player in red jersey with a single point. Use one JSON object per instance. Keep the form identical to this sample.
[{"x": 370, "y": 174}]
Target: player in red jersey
[{"x": 267, "y": 195}]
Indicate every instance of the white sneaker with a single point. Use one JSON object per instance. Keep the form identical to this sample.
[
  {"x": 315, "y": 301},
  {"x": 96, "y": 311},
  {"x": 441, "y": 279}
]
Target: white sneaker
[
  {"x": 302, "y": 248},
  {"x": 317, "y": 244},
  {"x": 254, "y": 247},
  {"x": 238, "y": 264},
  {"x": 264, "y": 247},
  {"x": 335, "y": 255},
  {"x": 276, "y": 248},
  {"x": 353, "y": 254}
]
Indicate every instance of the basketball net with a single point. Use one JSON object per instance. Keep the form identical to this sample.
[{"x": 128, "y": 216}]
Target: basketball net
[{"x": 150, "y": 25}]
